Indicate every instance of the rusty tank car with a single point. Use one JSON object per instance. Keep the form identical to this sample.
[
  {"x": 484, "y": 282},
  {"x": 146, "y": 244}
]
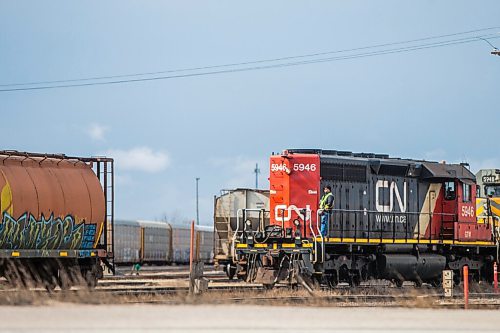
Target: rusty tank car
[{"x": 57, "y": 217}]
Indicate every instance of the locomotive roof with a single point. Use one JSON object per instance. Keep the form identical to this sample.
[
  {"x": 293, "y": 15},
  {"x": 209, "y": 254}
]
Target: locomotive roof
[{"x": 377, "y": 162}]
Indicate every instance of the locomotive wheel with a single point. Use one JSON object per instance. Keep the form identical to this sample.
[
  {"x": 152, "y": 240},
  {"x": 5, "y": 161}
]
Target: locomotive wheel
[
  {"x": 436, "y": 283},
  {"x": 230, "y": 271},
  {"x": 399, "y": 283},
  {"x": 354, "y": 280}
]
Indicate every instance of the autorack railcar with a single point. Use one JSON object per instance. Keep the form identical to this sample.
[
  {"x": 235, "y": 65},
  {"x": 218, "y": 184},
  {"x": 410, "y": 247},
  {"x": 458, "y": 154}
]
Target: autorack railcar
[
  {"x": 159, "y": 242},
  {"x": 396, "y": 219}
]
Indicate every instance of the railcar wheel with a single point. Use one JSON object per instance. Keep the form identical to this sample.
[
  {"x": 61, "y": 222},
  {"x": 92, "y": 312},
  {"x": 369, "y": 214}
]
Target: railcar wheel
[
  {"x": 90, "y": 278},
  {"x": 65, "y": 278},
  {"x": 399, "y": 283},
  {"x": 50, "y": 284}
]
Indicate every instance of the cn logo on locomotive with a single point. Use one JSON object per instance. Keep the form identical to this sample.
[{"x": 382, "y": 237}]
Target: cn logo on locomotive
[
  {"x": 284, "y": 213},
  {"x": 393, "y": 192}
]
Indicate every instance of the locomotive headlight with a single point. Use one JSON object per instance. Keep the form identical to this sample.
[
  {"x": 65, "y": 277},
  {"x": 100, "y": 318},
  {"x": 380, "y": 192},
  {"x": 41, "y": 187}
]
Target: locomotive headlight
[
  {"x": 296, "y": 222},
  {"x": 248, "y": 223}
]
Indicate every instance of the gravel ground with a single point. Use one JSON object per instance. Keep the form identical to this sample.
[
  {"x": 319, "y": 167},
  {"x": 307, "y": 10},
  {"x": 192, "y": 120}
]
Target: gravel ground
[{"x": 241, "y": 318}]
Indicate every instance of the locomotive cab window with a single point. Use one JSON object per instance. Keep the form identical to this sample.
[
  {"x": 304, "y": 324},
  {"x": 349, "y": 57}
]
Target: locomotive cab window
[
  {"x": 449, "y": 191},
  {"x": 492, "y": 190},
  {"x": 466, "y": 192}
]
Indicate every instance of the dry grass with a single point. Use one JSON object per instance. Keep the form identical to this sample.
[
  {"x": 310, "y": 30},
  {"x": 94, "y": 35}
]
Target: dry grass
[{"x": 379, "y": 296}]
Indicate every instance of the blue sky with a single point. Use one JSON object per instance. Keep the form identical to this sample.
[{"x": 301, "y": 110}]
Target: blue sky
[{"x": 439, "y": 104}]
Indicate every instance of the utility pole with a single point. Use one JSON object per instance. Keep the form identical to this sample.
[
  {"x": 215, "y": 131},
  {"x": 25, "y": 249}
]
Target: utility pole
[
  {"x": 197, "y": 207},
  {"x": 257, "y": 171}
]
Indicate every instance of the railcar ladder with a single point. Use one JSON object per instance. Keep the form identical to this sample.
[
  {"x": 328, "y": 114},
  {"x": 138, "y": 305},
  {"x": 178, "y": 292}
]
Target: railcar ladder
[
  {"x": 222, "y": 224},
  {"x": 105, "y": 173}
]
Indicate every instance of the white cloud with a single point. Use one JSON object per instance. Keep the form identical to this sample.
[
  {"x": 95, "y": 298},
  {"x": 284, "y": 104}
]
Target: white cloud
[
  {"x": 96, "y": 132},
  {"x": 140, "y": 159}
]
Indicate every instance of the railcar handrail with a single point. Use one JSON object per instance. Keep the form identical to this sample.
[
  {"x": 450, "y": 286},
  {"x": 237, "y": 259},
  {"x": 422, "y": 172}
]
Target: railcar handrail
[{"x": 233, "y": 240}]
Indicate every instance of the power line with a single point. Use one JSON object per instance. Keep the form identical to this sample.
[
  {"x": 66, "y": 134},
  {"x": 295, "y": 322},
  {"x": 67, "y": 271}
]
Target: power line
[
  {"x": 250, "y": 62},
  {"x": 279, "y": 65},
  {"x": 487, "y": 41}
]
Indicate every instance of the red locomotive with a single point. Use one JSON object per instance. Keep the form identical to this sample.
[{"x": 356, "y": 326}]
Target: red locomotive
[{"x": 392, "y": 218}]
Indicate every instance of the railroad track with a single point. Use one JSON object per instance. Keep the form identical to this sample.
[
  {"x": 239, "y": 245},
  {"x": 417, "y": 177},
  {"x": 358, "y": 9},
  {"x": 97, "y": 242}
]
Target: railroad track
[{"x": 172, "y": 288}]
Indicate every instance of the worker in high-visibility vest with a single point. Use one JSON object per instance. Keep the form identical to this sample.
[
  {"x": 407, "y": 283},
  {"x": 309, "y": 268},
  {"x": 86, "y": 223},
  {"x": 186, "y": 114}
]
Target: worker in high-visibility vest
[{"x": 326, "y": 204}]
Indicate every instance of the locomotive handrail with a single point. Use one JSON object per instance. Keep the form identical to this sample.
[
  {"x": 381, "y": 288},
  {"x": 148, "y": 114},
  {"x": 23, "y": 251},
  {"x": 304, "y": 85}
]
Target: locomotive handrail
[
  {"x": 376, "y": 211},
  {"x": 260, "y": 210},
  {"x": 308, "y": 212},
  {"x": 235, "y": 234},
  {"x": 318, "y": 213}
]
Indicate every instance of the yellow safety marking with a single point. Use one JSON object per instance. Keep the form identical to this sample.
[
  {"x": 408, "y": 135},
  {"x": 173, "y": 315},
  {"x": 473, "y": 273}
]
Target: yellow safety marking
[
  {"x": 307, "y": 245},
  {"x": 16, "y": 254},
  {"x": 260, "y": 245},
  {"x": 474, "y": 243},
  {"x": 242, "y": 246},
  {"x": 63, "y": 254},
  {"x": 92, "y": 254},
  {"x": 402, "y": 241},
  {"x": 275, "y": 246},
  {"x": 285, "y": 245}
]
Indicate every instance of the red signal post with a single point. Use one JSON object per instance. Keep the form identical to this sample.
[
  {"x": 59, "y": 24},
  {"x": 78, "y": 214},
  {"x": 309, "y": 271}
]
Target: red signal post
[
  {"x": 466, "y": 287},
  {"x": 495, "y": 276}
]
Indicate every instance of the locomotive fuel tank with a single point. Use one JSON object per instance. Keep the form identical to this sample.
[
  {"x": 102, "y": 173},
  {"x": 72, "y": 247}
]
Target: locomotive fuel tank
[{"x": 410, "y": 267}]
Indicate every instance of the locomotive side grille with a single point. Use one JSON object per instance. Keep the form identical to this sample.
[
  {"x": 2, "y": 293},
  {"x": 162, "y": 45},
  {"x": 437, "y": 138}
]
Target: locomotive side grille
[{"x": 343, "y": 172}]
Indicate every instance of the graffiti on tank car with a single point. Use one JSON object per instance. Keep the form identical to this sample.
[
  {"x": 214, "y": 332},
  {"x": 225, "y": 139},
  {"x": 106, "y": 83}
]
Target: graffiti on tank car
[{"x": 28, "y": 232}]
